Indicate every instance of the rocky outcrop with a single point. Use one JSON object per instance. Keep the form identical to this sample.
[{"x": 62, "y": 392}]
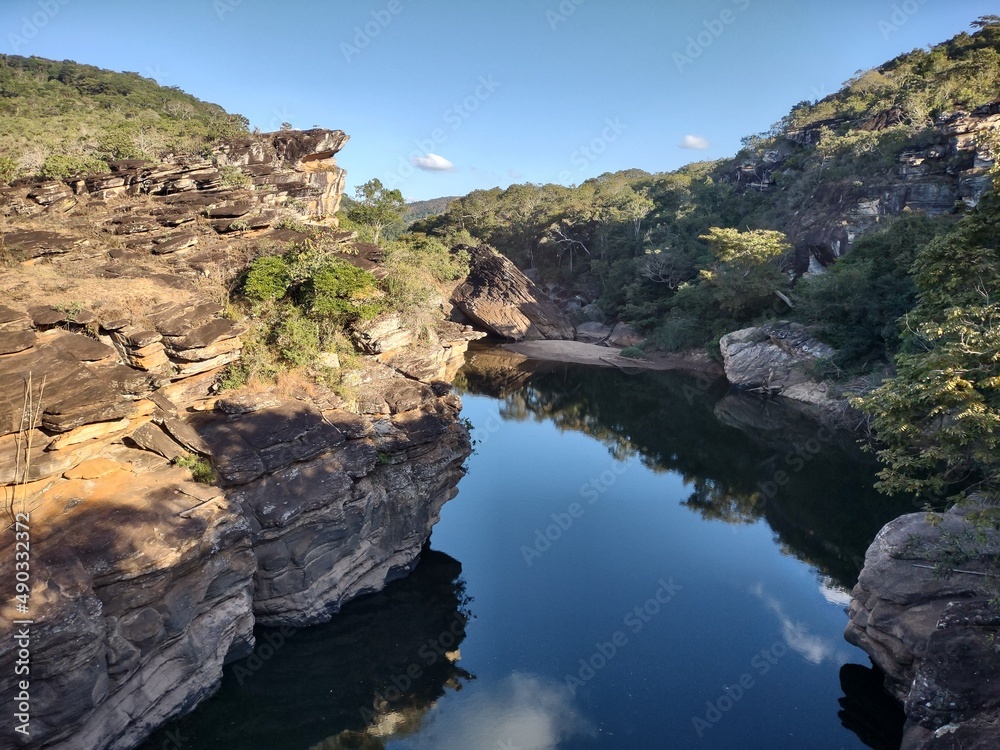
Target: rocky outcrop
[
  {"x": 922, "y": 611},
  {"x": 776, "y": 359},
  {"x": 145, "y": 582},
  {"x": 503, "y": 301},
  {"x": 950, "y": 169}
]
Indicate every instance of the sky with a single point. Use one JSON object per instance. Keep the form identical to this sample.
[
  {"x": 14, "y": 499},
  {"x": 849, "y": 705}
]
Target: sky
[{"x": 442, "y": 97}]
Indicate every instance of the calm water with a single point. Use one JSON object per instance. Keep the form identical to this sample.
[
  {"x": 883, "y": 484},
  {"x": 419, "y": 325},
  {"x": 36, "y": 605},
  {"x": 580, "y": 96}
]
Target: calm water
[{"x": 633, "y": 561}]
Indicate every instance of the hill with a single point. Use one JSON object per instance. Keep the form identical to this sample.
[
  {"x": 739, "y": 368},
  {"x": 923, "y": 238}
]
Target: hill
[
  {"x": 912, "y": 136},
  {"x": 60, "y": 118}
]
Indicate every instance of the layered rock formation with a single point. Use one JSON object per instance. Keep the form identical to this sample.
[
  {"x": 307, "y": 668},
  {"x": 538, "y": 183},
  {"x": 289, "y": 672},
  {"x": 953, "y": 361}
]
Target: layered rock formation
[
  {"x": 502, "y": 300},
  {"x": 949, "y": 171},
  {"x": 113, "y": 333},
  {"x": 922, "y": 611}
]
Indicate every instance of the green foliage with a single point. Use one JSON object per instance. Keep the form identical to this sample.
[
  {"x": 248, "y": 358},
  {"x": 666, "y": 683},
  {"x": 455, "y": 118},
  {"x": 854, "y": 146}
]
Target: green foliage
[
  {"x": 377, "y": 207},
  {"x": 62, "y": 167},
  {"x": 343, "y": 293},
  {"x": 8, "y": 169},
  {"x": 234, "y": 178},
  {"x": 268, "y": 279},
  {"x": 939, "y": 418},
  {"x": 855, "y": 305},
  {"x": 50, "y": 107},
  {"x": 200, "y": 467},
  {"x": 297, "y": 338},
  {"x": 632, "y": 352}
]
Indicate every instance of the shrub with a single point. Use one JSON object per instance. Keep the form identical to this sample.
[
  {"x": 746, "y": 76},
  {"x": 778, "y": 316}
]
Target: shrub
[
  {"x": 268, "y": 279},
  {"x": 201, "y": 469},
  {"x": 233, "y": 178},
  {"x": 297, "y": 338},
  {"x": 343, "y": 292},
  {"x": 8, "y": 169},
  {"x": 62, "y": 167},
  {"x": 632, "y": 352}
]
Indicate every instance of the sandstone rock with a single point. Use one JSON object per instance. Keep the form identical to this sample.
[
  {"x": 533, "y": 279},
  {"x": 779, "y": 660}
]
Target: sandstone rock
[
  {"x": 95, "y": 468},
  {"x": 930, "y": 634},
  {"x": 592, "y": 332},
  {"x": 384, "y": 334},
  {"x": 498, "y": 297},
  {"x": 624, "y": 335},
  {"x": 775, "y": 358},
  {"x": 16, "y": 341},
  {"x": 175, "y": 242}
]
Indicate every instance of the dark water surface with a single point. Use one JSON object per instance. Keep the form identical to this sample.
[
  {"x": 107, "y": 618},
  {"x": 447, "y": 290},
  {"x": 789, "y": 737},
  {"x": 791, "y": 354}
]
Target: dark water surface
[{"x": 633, "y": 561}]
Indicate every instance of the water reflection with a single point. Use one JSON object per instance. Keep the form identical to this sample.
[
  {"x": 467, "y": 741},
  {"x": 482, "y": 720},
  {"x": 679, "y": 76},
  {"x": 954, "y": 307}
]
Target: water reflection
[
  {"x": 369, "y": 675},
  {"x": 523, "y": 711},
  {"x": 743, "y": 458}
]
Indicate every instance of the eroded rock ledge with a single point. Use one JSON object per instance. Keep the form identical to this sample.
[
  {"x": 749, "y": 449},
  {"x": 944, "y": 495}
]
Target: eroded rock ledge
[
  {"x": 145, "y": 582},
  {"x": 934, "y": 636}
]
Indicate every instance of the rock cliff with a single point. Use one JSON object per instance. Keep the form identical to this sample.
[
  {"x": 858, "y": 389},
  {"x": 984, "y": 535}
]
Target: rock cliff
[
  {"x": 922, "y": 611},
  {"x": 113, "y": 333},
  {"x": 950, "y": 168}
]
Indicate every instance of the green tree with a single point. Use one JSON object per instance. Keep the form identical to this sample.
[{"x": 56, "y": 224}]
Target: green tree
[
  {"x": 939, "y": 418},
  {"x": 746, "y": 275},
  {"x": 377, "y": 207}
]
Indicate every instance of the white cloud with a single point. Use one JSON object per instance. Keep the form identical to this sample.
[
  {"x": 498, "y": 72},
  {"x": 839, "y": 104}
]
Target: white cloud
[
  {"x": 432, "y": 163},
  {"x": 694, "y": 141}
]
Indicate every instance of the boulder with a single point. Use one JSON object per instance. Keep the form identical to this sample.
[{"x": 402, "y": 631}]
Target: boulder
[
  {"x": 776, "y": 358},
  {"x": 931, "y": 634},
  {"x": 504, "y": 302},
  {"x": 625, "y": 335}
]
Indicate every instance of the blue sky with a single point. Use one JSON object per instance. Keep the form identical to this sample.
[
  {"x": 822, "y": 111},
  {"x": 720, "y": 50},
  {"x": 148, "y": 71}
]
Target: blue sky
[{"x": 514, "y": 91}]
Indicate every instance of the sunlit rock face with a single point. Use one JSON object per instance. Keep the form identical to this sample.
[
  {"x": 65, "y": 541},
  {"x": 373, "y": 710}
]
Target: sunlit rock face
[
  {"x": 143, "y": 581},
  {"x": 503, "y": 301},
  {"x": 933, "y": 636}
]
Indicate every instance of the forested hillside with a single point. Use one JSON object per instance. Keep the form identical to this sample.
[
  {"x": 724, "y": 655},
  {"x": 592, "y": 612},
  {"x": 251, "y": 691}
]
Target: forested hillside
[
  {"x": 680, "y": 255},
  {"x": 58, "y": 119}
]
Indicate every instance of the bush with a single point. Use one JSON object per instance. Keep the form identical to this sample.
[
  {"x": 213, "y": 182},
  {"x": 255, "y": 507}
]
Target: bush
[
  {"x": 8, "y": 169},
  {"x": 233, "y": 178},
  {"x": 268, "y": 279},
  {"x": 632, "y": 352},
  {"x": 343, "y": 292},
  {"x": 297, "y": 338},
  {"x": 63, "y": 167},
  {"x": 855, "y": 305},
  {"x": 201, "y": 469}
]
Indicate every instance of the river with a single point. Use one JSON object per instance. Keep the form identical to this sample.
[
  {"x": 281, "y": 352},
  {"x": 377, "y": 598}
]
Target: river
[{"x": 633, "y": 561}]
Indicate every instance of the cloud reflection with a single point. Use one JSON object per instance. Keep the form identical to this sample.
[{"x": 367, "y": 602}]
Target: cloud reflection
[
  {"x": 813, "y": 648},
  {"x": 523, "y": 711}
]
